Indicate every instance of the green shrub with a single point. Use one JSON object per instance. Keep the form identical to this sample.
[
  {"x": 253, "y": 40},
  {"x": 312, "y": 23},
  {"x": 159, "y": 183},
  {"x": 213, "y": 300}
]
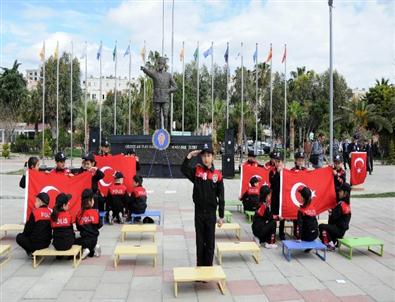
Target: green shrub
[{"x": 6, "y": 151}]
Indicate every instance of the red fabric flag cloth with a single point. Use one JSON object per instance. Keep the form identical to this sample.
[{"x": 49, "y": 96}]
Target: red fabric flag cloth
[
  {"x": 319, "y": 181},
  {"x": 358, "y": 168},
  {"x": 53, "y": 184},
  {"x": 109, "y": 164},
  {"x": 247, "y": 172}
]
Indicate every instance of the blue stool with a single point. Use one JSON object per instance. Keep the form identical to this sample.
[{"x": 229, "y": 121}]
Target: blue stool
[
  {"x": 289, "y": 245},
  {"x": 148, "y": 213},
  {"x": 102, "y": 215}
]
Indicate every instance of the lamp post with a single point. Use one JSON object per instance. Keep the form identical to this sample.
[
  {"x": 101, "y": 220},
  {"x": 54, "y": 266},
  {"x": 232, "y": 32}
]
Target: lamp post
[{"x": 330, "y": 4}]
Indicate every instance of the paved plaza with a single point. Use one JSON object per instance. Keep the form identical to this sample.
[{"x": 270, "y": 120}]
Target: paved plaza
[{"x": 367, "y": 277}]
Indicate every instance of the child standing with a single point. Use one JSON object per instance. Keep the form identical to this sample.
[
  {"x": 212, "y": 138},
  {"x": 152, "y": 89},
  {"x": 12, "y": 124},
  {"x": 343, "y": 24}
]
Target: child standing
[
  {"x": 88, "y": 223},
  {"x": 60, "y": 165},
  {"x": 339, "y": 173},
  {"x": 263, "y": 225},
  {"x": 250, "y": 198},
  {"x": 37, "y": 233},
  {"x": 117, "y": 198},
  {"x": 339, "y": 219},
  {"x": 62, "y": 223},
  {"x": 307, "y": 228},
  {"x": 138, "y": 198},
  {"x": 32, "y": 163}
]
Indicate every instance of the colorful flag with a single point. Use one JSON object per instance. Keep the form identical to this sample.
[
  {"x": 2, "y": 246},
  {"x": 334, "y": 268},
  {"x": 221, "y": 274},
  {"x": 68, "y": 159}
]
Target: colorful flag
[
  {"x": 98, "y": 55},
  {"x": 285, "y": 54},
  {"x": 208, "y": 52},
  {"x": 182, "y": 54},
  {"x": 226, "y": 55},
  {"x": 196, "y": 54},
  {"x": 358, "y": 168},
  {"x": 114, "y": 52},
  {"x": 319, "y": 181},
  {"x": 42, "y": 53},
  {"x": 127, "y": 51},
  {"x": 142, "y": 53},
  {"x": 269, "y": 57},
  {"x": 56, "y": 53},
  {"x": 248, "y": 171},
  {"x": 255, "y": 55},
  {"x": 238, "y": 55},
  {"x": 53, "y": 184}
]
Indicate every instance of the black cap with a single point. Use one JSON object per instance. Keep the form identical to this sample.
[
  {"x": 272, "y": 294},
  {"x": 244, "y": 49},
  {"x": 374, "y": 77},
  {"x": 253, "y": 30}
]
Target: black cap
[
  {"x": 207, "y": 149},
  {"x": 138, "y": 179},
  {"x": 356, "y": 136},
  {"x": 62, "y": 199},
  {"x": 278, "y": 155},
  {"x": 271, "y": 154},
  {"x": 337, "y": 158},
  {"x": 60, "y": 157},
  {"x": 44, "y": 197},
  {"x": 264, "y": 191},
  {"x": 254, "y": 180},
  {"x": 299, "y": 154},
  {"x": 305, "y": 192},
  {"x": 89, "y": 156},
  {"x": 118, "y": 175},
  {"x": 87, "y": 194},
  {"x": 105, "y": 143},
  {"x": 251, "y": 153},
  {"x": 345, "y": 187}
]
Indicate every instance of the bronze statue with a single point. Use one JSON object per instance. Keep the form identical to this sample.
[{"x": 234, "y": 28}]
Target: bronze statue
[{"x": 164, "y": 84}]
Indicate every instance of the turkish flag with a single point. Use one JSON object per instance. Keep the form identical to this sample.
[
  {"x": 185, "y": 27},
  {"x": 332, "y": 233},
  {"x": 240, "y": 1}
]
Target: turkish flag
[
  {"x": 319, "y": 181},
  {"x": 53, "y": 184},
  {"x": 247, "y": 172},
  {"x": 358, "y": 168},
  {"x": 110, "y": 164}
]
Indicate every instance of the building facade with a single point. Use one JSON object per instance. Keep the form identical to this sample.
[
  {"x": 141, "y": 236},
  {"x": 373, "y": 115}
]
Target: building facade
[
  {"x": 108, "y": 84},
  {"x": 32, "y": 77}
]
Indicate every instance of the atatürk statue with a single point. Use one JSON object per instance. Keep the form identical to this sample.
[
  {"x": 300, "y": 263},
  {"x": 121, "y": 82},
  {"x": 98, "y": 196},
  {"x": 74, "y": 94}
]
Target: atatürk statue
[{"x": 164, "y": 84}]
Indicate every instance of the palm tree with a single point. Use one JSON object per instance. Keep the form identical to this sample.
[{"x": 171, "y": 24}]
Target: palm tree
[{"x": 294, "y": 111}]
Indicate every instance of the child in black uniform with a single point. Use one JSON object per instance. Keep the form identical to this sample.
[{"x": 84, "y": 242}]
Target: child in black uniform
[
  {"x": 307, "y": 228},
  {"x": 37, "y": 233},
  {"x": 274, "y": 178},
  {"x": 339, "y": 173},
  {"x": 251, "y": 197},
  {"x": 88, "y": 223},
  {"x": 339, "y": 219},
  {"x": 263, "y": 224},
  {"x": 117, "y": 199},
  {"x": 32, "y": 163},
  {"x": 62, "y": 223},
  {"x": 138, "y": 198}
]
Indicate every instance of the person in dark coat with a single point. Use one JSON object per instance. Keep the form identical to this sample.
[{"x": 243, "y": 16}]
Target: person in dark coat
[
  {"x": 138, "y": 198},
  {"x": 274, "y": 179},
  {"x": 32, "y": 163},
  {"x": 117, "y": 199},
  {"x": 263, "y": 224},
  {"x": 250, "y": 198},
  {"x": 369, "y": 154}
]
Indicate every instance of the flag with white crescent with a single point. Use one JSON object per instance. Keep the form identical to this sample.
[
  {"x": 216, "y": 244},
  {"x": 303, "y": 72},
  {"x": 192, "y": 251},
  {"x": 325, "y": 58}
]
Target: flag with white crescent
[
  {"x": 358, "y": 168},
  {"x": 112, "y": 163},
  {"x": 53, "y": 184},
  {"x": 319, "y": 181},
  {"x": 248, "y": 171}
]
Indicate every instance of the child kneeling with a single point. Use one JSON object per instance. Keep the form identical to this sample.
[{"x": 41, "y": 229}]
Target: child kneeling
[
  {"x": 250, "y": 198},
  {"x": 138, "y": 198},
  {"x": 263, "y": 225},
  {"x": 88, "y": 223}
]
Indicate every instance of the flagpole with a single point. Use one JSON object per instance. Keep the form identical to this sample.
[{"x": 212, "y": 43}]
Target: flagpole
[
  {"x": 183, "y": 87},
  {"x": 43, "y": 124},
  {"x": 100, "y": 96},
  {"x": 57, "y": 96},
  {"x": 197, "y": 93},
  {"x": 172, "y": 63},
  {"x": 285, "y": 103},
  {"x": 71, "y": 103},
  {"x": 242, "y": 103},
  {"x": 256, "y": 97},
  {"x": 227, "y": 88},
  {"x": 163, "y": 26},
  {"x": 144, "y": 93},
  {"x": 130, "y": 89},
  {"x": 115, "y": 89},
  {"x": 271, "y": 99},
  {"x": 212, "y": 86},
  {"x": 330, "y": 3},
  {"x": 85, "y": 97}
]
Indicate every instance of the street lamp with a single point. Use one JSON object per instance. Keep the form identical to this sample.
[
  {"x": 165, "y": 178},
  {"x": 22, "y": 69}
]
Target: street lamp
[{"x": 330, "y": 4}]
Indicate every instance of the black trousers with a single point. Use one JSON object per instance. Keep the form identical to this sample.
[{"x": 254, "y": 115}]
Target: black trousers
[
  {"x": 62, "y": 244},
  {"x": 100, "y": 202},
  {"x": 87, "y": 243},
  {"x": 205, "y": 238},
  {"x": 26, "y": 243},
  {"x": 309, "y": 236},
  {"x": 330, "y": 232},
  {"x": 265, "y": 232}
]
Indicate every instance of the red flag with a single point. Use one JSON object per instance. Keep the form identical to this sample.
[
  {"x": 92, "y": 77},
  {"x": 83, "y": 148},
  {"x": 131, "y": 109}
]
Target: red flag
[
  {"x": 110, "y": 164},
  {"x": 358, "y": 168},
  {"x": 53, "y": 184},
  {"x": 269, "y": 56},
  {"x": 285, "y": 54},
  {"x": 319, "y": 181},
  {"x": 247, "y": 172}
]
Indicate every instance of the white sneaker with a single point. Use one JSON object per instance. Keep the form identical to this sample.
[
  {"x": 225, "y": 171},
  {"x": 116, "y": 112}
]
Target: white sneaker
[
  {"x": 120, "y": 218},
  {"x": 331, "y": 246},
  {"x": 85, "y": 253},
  {"x": 270, "y": 246},
  {"x": 97, "y": 250},
  {"x": 110, "y": 218}
]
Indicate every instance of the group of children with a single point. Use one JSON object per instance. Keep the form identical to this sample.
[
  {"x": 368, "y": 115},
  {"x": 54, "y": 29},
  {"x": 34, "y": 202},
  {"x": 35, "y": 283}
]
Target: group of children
[{"x": 265, "y": 202}]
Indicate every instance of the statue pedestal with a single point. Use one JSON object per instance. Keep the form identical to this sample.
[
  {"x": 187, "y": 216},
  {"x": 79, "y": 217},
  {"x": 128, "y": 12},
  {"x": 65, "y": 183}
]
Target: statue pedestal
[{"x": 179, "y": 147}]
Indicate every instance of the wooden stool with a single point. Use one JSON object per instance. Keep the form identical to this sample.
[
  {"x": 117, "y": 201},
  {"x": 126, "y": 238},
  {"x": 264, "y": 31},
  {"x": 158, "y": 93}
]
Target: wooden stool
[
  {"x": 135, "y": 250},
  {"x": 11, "y": 228},
  {"x": 199, "y": 273},
  {"x": 360, "y": 242},
  {"x": 237, "y": 247},
  {"x": 138, "y": 228},
  {"x": 74, "y": 251},
  {"x": 5, "y": 252},
  {"x": 230, "y": 227}
]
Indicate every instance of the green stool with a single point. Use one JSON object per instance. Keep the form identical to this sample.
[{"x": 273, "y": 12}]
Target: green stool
[
  {"x": 355, "y": 242},
  {"x": 227, "y": 216},
  {"x": 249, "y": 215},
  {"x": 234, "y": 203}
]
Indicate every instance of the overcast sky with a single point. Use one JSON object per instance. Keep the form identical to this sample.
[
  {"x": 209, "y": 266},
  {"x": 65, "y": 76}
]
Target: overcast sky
[{"x": 364, "y": 40}]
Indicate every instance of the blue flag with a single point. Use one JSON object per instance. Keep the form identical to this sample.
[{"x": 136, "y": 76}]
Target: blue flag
[
  {"x": 208, "y": 52},
  {"x": 254, "y": 57},
  {"x": 127, "y": 51},
  {"x": 99, "y": 52},
  {"x": 226, "y": 55}
]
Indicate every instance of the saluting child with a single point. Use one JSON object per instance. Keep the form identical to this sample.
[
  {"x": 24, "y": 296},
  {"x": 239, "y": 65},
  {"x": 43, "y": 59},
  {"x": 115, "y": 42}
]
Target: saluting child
[
  {"x": 62, "y": 223},
  {"x": 117, "y": 199},
  {"x": 250, "y": 198},
  {"x": 339, "y": 173},
  {"x": 138, "y": 198},
  {"x": 339, "y": 219},
  {"x": 307, "y": 228},
  {"x": 88, "y": 223},
  {"x": 37, "y": 233},
  {"x": 263, "y": 224}
]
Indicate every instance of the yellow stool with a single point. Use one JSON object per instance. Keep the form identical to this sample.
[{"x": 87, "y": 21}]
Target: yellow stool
[
  {"x": 230, "y": 227},
  {"x": 138, "y": 228},
  {"x": 5, "y": 251},
  {"x": 38, "y": 256},
  {"x": 135, "y": 250},
  {"x": 237, "y": 247}
]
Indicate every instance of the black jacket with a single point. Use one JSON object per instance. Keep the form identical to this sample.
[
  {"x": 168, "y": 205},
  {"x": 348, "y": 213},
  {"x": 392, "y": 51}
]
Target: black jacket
[
  {"x": 208, "y": 187},
  {"x": 38, "y": 227},
  {"x": 274, "y": 179},
  {"x": 251, "y": 198},
  {"x": 95, "y": 178},
  {"x": 88, "y": 223},
  {"x": 138, "y": 200},
  {"x": 340, "y": 216},
  {"x": 63, "y": 231},
  {"x": 307, "y": 226},
  {"x": 262, "y": 217}
]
